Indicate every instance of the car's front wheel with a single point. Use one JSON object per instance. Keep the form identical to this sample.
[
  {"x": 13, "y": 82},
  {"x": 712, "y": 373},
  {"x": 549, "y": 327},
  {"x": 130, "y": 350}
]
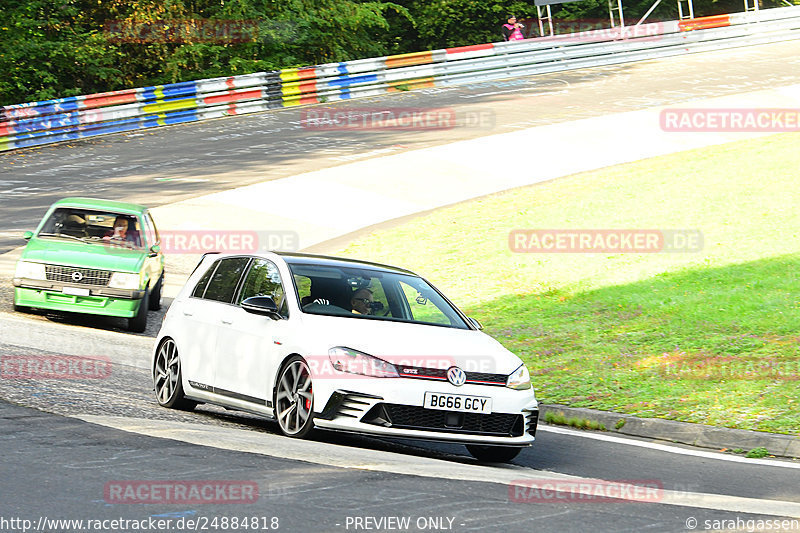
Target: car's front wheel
[
  {"x": 493, "y": 454},
  {"x": 138, "y": 323},
  {"x": 294, "y": 399},
  {"x": 167, "y": 378}
]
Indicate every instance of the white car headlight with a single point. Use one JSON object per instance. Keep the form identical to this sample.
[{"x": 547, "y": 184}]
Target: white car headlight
[
  {"x": 124, "y": 280},
  {"x": 26, "y": 269},
  {"x": 355, "y": 362},
  {"x": 520, "y": 379}
]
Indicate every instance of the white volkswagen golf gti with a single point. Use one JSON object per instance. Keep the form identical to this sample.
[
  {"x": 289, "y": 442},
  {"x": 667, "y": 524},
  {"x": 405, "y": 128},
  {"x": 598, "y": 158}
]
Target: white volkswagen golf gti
[{"x": 338, "y": 344}]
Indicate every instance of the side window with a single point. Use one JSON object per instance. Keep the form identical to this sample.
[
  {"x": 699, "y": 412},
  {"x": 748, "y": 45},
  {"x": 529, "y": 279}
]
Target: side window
[
  {"x": 200, "y": 288},
  {"x": 150, "y": 231},
  {"x": 303, "y": 285},
  {"x": 225, "y": 279},
  {"x": 264, "y": 279}
]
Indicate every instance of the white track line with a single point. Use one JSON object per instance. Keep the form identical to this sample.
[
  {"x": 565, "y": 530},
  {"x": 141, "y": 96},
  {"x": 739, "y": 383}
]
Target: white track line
[{"x": 668, "y": 448}]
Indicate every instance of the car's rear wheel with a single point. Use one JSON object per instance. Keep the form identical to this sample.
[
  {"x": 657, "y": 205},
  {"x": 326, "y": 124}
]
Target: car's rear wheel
[
  {"x": 138, "y": 323},
  {"x": 167, "y": 378},
  {"x": 294, "y": 399},
  {"x": 493, "y": 454},
  {"x": 155, "y": 297}
]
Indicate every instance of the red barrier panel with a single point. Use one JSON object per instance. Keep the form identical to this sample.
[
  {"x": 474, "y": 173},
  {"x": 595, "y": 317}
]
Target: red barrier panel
[
  {"x": 233, "y": 96},
  {"x": 470, "y": 48}
]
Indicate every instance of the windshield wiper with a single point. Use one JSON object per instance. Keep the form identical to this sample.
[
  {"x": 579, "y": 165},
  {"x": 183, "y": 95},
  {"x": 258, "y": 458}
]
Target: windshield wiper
[{"x": 64, "y": 235}]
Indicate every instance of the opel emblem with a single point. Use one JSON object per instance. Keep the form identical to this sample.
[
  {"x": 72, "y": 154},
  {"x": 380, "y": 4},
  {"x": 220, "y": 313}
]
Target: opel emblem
[
  {"x": 456, "y": 376},
  {"x": 77, "y": 276}
]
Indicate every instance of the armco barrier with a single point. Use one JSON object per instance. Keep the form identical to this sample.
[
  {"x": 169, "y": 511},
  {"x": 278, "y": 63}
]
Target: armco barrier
[{"x": 78, "y": 117}]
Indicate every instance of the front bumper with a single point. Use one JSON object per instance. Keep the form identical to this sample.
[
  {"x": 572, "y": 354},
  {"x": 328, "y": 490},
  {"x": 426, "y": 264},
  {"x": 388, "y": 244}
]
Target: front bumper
[
  {"x": 393, "y": 407},
  {"x": 100, "y": 300}
]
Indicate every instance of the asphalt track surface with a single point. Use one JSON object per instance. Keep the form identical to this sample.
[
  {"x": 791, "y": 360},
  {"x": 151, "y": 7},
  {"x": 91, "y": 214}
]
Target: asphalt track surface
[
  {"x": 57, "y": 466},
  {"x": 164, "y": 165}
]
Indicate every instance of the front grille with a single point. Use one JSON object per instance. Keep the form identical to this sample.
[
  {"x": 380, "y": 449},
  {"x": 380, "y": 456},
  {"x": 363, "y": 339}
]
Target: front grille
[
  {"x": 78, "y": 276},
  {"x": 438, "y": 374},
  {"x": 412, "y": 417}
]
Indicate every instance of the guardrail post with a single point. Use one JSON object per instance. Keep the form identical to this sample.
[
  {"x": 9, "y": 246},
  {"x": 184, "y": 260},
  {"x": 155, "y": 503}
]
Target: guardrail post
[
  {"x": 681, "y": 15},
  {"x": 618, "y": 9}
]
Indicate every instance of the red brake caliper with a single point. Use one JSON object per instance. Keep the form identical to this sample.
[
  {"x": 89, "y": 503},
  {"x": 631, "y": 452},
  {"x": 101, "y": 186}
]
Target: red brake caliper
[{"x": 308, "y": 400}]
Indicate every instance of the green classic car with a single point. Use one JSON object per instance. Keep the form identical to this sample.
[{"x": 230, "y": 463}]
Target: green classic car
[{"x": 92, "y": 256}]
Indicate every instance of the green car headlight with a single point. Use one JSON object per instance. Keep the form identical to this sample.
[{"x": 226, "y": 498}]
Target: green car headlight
[
  {"x": 26, "y": 269},
  {"x": 124, "y": 280}
]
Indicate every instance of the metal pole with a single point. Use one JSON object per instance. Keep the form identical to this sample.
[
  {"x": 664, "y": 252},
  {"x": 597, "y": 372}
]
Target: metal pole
[
  {"x": 650, "y": 11},
  {"x": 611, "y": 13}
]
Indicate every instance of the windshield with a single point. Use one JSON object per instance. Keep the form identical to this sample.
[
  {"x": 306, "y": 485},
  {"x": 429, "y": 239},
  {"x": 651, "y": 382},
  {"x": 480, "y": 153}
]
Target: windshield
[
  {"x": 365, "y": 293},
  {"x": 93, "y": 227}
]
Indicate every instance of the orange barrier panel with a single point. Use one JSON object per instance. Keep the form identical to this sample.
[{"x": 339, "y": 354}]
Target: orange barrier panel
[
  {"x": 407, "y": 60},
  {"x": 704, "y": 23}
]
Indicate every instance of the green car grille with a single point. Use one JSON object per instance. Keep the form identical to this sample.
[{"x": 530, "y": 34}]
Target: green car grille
[{"x": 80, "y": 276}]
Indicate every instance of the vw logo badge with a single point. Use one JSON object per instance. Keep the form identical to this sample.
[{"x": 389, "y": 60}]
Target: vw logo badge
[
  {"x": 77, "y": 276},
  {"x": 456, "y": 376}
]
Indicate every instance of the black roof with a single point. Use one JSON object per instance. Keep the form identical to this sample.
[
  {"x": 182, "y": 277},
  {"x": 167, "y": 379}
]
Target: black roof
[{"x": 296, "y": 258}]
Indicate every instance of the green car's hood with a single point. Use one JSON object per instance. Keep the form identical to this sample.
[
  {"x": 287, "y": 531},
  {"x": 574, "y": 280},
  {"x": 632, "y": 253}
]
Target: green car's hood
[{"x": 65, "y": 252}]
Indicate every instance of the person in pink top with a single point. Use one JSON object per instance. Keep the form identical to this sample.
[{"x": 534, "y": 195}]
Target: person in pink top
[{"x": 513, "y": 30}]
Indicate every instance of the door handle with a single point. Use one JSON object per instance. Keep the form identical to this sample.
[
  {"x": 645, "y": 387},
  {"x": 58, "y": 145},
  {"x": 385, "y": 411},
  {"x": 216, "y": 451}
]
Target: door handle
[
  {"x": 229, "y": 322},
  {"x": 187, "y": 313}
]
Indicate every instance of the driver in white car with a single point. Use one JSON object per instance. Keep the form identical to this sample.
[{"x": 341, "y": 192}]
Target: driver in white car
[{"x": 362, "y": 302}]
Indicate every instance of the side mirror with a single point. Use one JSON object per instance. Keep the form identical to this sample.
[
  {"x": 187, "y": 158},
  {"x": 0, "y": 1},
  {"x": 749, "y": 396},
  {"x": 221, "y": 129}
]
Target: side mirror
[
  {"x": 27, "y": 235},
  {"x": 262, "y": 305},
  {"x": 475, "y": 323},
  {"x": 155, "y": 250}
]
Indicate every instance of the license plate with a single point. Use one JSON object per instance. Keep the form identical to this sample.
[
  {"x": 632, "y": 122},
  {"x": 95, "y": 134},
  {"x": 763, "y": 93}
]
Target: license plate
[
  {"x": 75, "y": 291},
  {"x": 458, "y": 402}
]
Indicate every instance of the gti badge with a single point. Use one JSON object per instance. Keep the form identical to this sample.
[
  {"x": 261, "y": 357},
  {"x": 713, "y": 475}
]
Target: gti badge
[{"x": 456, "y": 376}]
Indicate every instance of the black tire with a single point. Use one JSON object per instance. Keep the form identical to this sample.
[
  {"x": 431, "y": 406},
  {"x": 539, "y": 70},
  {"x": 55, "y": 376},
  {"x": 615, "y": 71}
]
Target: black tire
[
  {"x": 21, "y": 308},
  {"x": 155, "y": 296},
  {"x": 493, "y": 454},
  {"x": 168, "y": 378},
  {"x": 292, "y": 389},
  {"x": 138, "y": 323}
]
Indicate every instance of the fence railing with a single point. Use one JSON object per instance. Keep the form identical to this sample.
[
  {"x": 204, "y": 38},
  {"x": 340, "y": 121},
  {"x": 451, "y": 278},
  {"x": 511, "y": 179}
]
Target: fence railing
[{"x": 78, "y": 117}]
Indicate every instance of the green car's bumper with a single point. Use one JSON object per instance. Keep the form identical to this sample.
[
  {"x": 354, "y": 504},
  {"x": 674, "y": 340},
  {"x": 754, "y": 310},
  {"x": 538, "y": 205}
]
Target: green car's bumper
[{"x": 99, "y": 301}]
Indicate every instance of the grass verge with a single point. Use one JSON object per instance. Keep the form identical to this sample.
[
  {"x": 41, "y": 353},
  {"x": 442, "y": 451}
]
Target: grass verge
[{"x": 710, "y": 337}]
